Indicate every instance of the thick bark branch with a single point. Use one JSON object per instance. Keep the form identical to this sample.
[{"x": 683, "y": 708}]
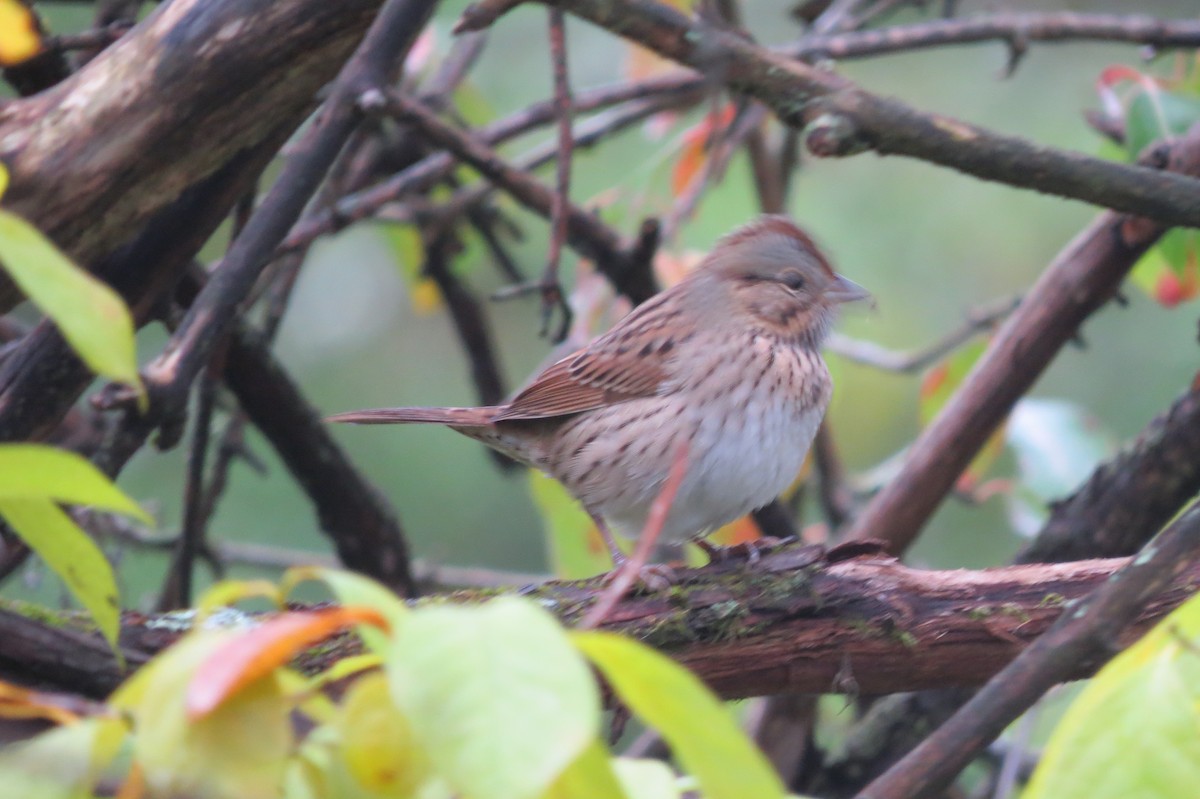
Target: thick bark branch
[
  {"x": 867, "y": 625},
  {"x": 170, "y": 103}
]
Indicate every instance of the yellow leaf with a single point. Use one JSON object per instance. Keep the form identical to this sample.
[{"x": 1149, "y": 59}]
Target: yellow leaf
[{"x": 20, "y": 39}]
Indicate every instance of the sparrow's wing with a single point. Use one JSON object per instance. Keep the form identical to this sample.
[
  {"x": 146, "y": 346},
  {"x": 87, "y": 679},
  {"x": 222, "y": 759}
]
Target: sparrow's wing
[{"x": 631, "y": 360}]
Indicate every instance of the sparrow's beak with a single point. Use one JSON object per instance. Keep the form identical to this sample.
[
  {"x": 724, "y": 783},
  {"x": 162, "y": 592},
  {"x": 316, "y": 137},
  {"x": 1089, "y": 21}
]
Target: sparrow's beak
[{"x": 844, "y": 289}]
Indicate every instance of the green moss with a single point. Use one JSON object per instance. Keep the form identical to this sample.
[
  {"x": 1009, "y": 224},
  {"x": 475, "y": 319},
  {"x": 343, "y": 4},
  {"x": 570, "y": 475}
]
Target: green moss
[
  {"x": 59, "y": 619},
  {"x": 1052, "y": 601}
]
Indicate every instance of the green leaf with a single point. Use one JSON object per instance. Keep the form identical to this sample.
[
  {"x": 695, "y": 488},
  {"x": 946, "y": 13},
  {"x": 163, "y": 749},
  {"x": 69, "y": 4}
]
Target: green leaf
[
  {"x": 91, "y": 316},
  {"x": 496, "y": 696},
  {"x": 239, "y": 750},
  {"x": 702, "y": 735},
  {"x": 34, "y": 471},
  {"x": 377, "y": 747},
  {"x": 647, "y": 779},
  {"x": 576, "y": 549},
  {"x": 70, "y": 554},
  {"x": 590, "y": 776},
  {"x": 1156, "y": 114},
  {"x": 1134, "y": 731},
  {"x": 69, "y": 759}
]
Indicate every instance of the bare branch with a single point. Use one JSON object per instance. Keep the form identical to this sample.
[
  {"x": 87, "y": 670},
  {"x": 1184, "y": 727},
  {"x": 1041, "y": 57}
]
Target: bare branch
[
  {"x": 1082, "y": 278},
  {"x": 871, "y": 354},
  {"x": 843, "y": 119},
  {"x": 584, "y": 231},
  {"x": 1011, "y": 28}
]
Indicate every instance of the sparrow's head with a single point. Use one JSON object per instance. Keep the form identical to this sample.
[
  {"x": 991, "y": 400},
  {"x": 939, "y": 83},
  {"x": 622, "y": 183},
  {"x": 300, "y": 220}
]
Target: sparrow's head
[{"x": 774, "y": 272}]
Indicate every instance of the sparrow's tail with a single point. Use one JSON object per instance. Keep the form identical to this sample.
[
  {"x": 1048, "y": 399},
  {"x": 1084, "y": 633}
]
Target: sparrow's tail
[{"x": 458, "y": 417}]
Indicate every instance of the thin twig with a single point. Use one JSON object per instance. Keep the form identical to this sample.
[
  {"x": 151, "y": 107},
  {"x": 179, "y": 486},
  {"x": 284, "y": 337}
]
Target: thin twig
[
  {"x": 214, "y": 312},
  {"x": 645, "y": 98},
  {"x": 553, "y": 295},
  {"x": 585, "y": 232},
  {"x": 722, "y": 145},
  {"x": 837, "y": 499},
  {"x": 870, "y": 354},
  {"x": 1051, "y": 27},
  {"x": 470, "y": 322},
  {"x": 177, "y": 591},
  {"x": 228, "y": 552}
]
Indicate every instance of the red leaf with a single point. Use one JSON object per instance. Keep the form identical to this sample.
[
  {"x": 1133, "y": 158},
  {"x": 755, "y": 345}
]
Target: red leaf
[{"x": 256, "y": 653}]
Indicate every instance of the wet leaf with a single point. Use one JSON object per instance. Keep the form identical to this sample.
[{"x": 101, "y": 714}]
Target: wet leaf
[
  {"x": 703, "y": 737},
  {"x": 377, "y": 743},
  {"x": 91, "y": 316},
  {"x": 694, "y": 152},
  {"x": 1169, "y": 272},
  {"x": 496, "y": 696},
  {"x": 61, "y": 762},
  {"x": 72, "y": 555},
  {"x": 1057, "y": 445},
  {"x": 238, "y": 751},
  {"x": 1135, "y": 729},
  {"x": 356, "y": 590},
  {"x": 36, "y": 471},
  {"x": 1154, "y": 113},
  {"x": 590, "y": 776}
]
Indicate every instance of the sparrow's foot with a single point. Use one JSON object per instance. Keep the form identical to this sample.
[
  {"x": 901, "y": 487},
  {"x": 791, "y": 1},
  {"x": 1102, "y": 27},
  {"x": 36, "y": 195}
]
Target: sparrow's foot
[
  {"x": 748, "y": 552},
  {"x": 651, "y": 576}
]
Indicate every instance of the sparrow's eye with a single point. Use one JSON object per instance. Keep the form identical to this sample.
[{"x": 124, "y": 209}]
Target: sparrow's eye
[{"x": 792, "y": 279}]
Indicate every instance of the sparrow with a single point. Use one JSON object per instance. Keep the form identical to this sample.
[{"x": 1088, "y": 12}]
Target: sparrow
[{"x": 726, "y": 363}]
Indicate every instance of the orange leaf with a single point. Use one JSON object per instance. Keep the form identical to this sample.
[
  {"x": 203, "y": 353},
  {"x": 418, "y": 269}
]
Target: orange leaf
[
  {"x": 17, "y": 702},
  {"x": 255, "y": 653},
  {"x": 694, "y": 153},
  {"x": 737, "y": 532}
]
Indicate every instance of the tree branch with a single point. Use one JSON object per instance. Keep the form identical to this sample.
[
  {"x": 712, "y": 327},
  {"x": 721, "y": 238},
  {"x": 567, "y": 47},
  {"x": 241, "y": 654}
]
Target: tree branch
[
  {"x": 843, "y": 119},
  {"x": 585, "y": 232},
  {"x": 180, "y": 81},
  {"x": 1015, "y": 29},
  {"x": 788, "y": 625},
  {"x": 1082, "y": 278}
]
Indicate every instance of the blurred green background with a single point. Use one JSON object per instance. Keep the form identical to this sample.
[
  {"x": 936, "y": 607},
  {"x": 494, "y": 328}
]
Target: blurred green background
[{"x": 929, "y": 243}]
